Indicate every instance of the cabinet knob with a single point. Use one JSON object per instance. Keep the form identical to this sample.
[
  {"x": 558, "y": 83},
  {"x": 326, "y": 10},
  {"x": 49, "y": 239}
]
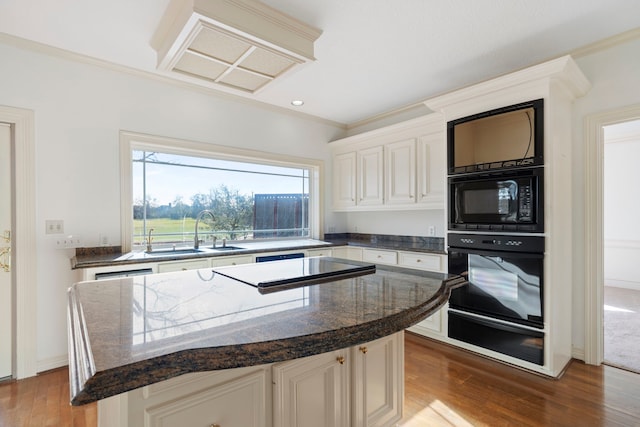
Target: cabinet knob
[
  {"x": 214, "y": 425},
  {"x": 418, "y": 260},
  {"x": 340, "y": 360},
  {"x": 184, "y": 269},
  {"x": 364, "y": 350}
]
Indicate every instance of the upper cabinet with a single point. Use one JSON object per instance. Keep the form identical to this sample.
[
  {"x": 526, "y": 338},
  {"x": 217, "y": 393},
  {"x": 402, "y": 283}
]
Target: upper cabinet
[{"x": 395, "y": 167}]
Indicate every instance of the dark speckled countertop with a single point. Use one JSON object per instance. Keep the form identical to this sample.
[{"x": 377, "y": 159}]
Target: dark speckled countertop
[
  {"x": 130, "y": 332},
  {"x": 106, "y": 256}
]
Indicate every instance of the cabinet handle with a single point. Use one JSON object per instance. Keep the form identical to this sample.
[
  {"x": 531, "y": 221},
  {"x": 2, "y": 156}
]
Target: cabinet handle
[
  {"x": 214, "y": 425},
  {"x": 364, "y": 350},
  {"x": 340, "y": 360},
  {"x": 184, "y": 269},
  {"x": 418, "y": 260}
]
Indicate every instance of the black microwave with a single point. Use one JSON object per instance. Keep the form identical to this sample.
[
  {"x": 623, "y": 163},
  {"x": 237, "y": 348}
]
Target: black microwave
[{"x": 508, "y": 201}]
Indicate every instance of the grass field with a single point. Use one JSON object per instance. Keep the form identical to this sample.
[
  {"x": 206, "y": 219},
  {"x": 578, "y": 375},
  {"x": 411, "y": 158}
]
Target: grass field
[{"x": 166, "y": 230}]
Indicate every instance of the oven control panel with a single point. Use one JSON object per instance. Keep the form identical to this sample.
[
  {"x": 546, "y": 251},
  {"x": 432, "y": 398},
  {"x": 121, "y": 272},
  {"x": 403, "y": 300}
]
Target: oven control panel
[{"x": 497, "y": 242}]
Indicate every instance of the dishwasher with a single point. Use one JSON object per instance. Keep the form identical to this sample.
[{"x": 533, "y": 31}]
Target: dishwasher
[
  {"x": 126, "y": 273},
  {"x": 267, "y": 258}
]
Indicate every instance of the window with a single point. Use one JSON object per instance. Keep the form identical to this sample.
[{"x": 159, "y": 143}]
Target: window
[{"x": 251, "y": 195}]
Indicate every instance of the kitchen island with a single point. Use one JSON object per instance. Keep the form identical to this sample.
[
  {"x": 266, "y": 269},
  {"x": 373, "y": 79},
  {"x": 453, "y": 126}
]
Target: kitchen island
[{"x": 134, "y": 332}]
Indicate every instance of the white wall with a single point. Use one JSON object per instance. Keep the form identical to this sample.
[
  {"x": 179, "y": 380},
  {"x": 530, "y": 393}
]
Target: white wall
[
  {"x": 402, "y": 223},
  {"x": 79, "y": 111},
  {"x": 615, "y": 77},
  {"x": 621, "y": 205}
]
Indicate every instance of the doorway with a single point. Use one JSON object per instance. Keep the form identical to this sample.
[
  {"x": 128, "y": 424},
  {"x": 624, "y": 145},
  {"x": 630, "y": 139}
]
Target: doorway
[
  {"x": 621, "y": 291},
  {"x": 593, "y": 231},
  {"x": 6, "y": 281}
]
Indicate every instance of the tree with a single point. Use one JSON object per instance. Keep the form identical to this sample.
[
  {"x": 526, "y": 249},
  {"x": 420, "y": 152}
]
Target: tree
[{"x": 232, "y": 211}]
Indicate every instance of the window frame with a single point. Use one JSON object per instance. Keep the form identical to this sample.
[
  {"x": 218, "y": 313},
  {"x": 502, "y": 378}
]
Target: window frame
[{"x": 130, "y": 141}]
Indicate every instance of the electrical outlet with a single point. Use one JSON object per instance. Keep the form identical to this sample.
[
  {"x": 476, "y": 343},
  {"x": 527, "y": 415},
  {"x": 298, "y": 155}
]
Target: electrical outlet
[
  {"x": 67, "y": 242},
  {"x": 432, "y": 230},
  {"x": 54, "y": 226}
]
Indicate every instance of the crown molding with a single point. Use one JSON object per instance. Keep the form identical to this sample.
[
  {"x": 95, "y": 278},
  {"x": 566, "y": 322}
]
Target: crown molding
[{"x": 56, "y": 52}]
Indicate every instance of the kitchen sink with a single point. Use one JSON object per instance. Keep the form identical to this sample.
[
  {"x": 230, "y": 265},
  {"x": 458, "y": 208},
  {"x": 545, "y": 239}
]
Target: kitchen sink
[
  {"x": 226, "y": 248},
  {"x": 176, "y": 251}
]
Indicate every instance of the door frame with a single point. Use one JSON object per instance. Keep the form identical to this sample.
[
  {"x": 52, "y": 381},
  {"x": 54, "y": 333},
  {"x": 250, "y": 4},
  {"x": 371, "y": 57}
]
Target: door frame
[
  {"x": 24, "y": 276},
  {"x": 594, "y": 228}
]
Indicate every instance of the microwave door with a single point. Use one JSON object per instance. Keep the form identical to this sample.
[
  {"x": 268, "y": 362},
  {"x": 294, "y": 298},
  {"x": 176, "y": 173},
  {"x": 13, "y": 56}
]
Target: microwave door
[{"x": 486, "y": 202}]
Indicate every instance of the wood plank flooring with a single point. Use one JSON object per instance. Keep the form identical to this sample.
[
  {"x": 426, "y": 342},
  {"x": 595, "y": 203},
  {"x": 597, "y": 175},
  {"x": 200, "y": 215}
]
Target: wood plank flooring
[{"x": 444, "y": 386}]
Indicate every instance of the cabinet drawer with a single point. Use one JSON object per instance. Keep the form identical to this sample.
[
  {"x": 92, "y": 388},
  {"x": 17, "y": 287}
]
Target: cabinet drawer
[
  {"x": 380, "y": 256},
  {"x": 231, "y": 260},
  {"x": 166, "y": 267},
  {"x": 421, "y": 261},
  {"x": 240, "y": 402},
  {"x": 319, "y": 252}
]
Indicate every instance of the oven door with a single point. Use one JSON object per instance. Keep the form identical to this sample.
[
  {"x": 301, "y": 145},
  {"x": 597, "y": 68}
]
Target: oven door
[{"x": 502, "y": 285}]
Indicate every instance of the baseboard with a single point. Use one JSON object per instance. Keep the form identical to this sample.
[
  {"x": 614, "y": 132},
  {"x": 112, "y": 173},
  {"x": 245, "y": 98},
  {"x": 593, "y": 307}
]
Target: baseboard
[
  {"x": 625, "y": 284},
  {"x": 52, "y": 363},
  {"x": 577, "y": 353}
]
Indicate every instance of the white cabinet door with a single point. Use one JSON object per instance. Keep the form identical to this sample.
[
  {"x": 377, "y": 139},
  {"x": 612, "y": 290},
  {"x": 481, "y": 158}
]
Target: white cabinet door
[
  {"x": 312, "y": 391},
  {"x": 431, "y": 170},
  {"x": 400, "y": 172},
  {"x": 370, "y": 176},
  {"x": 165, "y": 267},
  {"x": 344, "y": 180},
  {"x": 378, "y": 380}
]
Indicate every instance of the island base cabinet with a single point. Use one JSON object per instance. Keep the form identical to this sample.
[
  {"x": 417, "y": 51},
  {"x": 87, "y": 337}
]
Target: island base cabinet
[
  {"x": 356, "y": 386},
  {"x": 233, "y": 398},
  {"x": 363, "y": 386},
  {"x": 312, "y": 391},
  {"x": 378, "y": 382}
]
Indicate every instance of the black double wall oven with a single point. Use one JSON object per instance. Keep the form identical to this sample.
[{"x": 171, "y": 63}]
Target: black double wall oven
[{"x": 496, "y": 226}]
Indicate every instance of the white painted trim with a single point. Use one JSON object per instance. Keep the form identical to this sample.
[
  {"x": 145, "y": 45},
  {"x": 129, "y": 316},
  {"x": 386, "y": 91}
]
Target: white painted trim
[
  {"x": 622, "y": 244},
  {"x": 180, "y": 146},
  {"x": 624, "y": 284},
  {"x": 25, "y": 274},
  {"x": 593, "y": 228},
  {"x": 163, "y": 78},
  {"x": 53, "y": 363}
]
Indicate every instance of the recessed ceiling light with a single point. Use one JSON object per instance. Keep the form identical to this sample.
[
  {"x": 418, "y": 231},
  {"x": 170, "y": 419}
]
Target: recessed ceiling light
[{"x": 297, "y": 103}]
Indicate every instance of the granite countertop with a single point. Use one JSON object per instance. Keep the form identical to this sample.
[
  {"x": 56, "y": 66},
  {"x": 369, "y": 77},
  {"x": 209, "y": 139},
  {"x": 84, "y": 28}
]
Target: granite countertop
[
  {"x": 130, "y": 332},
  {"x": 106, "y": 256}
]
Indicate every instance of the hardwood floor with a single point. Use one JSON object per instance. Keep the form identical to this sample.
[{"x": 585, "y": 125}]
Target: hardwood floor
[
  {"x": 444, "y": 386},
  {"x": 43, "y": 400}
]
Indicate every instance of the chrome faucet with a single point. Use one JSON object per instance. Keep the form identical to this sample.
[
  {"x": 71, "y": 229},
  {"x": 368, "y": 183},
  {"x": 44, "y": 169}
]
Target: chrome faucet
[
  {"x": 196, "y": 242},
  {"x": 149, "y": 239}
]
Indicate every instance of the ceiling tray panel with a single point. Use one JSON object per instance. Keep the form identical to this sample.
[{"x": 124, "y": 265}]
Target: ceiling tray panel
[{"x": 242, "y": 44}]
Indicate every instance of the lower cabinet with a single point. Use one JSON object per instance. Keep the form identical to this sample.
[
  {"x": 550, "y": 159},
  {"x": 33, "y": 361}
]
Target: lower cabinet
[
  {"x": 312, "y": 391},
  {"x": 360, "y": 386},
  {"x": 356, "y": 386},
  {"x": 378, "y": 382}
]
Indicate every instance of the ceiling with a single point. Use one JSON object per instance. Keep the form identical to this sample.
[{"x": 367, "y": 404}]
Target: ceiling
[{"x": 373, "y": 56}]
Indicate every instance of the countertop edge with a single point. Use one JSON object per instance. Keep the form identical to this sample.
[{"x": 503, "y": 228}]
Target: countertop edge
[
  {"x": 128, "y": 259},
  {"x": 90, "y": 386}
]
